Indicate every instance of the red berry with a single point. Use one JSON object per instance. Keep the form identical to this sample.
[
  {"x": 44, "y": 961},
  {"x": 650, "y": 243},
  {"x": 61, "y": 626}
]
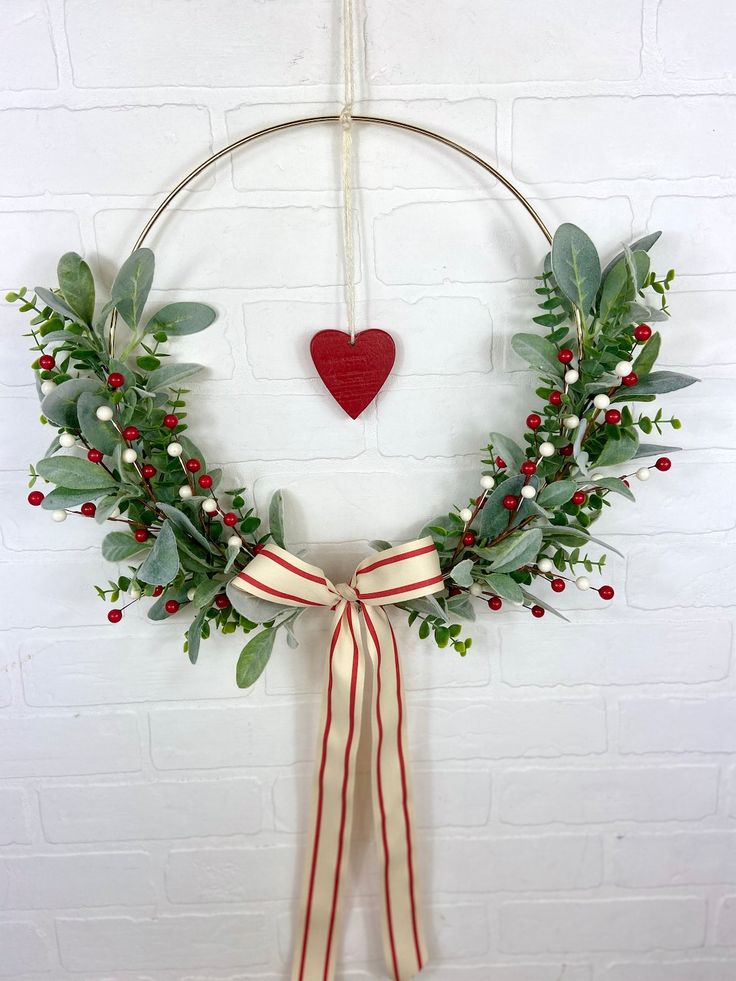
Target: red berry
[
  {"x": 222, "y": 602},
  {"x": 35, "y": 498},
  {"x": 534, "y": 421},
  {"x": 558, "y": 585},
  {"x": 115, "y": 379},
  {"x": 193, "y": 465},
  {"x": 172, "y": 606},
  {"x": 95, "y": 456},
  {"x": 140, "y": 535},
  {"x": 555, "y": 398},
  {"x": 480, "y": 502},
  {"x": 88, "y": 509},
  {"x": 626, "y": 481},
  {"x": 663, "y": 463},
  {"x": 500, "y": 462},
  {"x": 565, "y": 356},
  {"x": 130, "y": 433},
  {"x": 148, "y": 470},
  {"x": 642, "y": 333},
  {"x": 579, "y": 498},
  {"x": 630, "y": 380},
  {"x": 171, "y": 421},
  {"x": 495, "y": 603},
  {"x": 538, "y": 611},
  {"x": 469, "y": 538},
  {"x": 528, "y": 468},
  {"x": 157, "y": 590},
  {"x": 205, "y": 481},
  {"x": 566, "y": 450},
  {"x": 230, "y": 519},
  {"x": 606, "y": 592},
  {"x": 510, "y": 502},
  {"x": 613, "y": 417},
  {"x": 46, "y": 361},
  {"x": 115, "y": 616}
]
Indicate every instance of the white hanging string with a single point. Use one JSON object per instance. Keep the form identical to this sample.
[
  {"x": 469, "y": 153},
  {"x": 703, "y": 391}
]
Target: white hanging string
[{"x": 346, "y": 119}]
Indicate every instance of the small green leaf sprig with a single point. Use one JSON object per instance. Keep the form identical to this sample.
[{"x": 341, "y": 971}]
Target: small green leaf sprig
[{"x": 122, "y": 454}]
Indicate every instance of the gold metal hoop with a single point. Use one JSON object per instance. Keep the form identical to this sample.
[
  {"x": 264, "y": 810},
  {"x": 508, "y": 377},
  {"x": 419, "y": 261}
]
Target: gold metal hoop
[{"x": 311, "y": 120}]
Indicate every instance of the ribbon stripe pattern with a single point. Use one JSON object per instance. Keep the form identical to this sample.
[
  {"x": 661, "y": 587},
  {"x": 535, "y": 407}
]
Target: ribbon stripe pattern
[{"x": 362, "y": 645}]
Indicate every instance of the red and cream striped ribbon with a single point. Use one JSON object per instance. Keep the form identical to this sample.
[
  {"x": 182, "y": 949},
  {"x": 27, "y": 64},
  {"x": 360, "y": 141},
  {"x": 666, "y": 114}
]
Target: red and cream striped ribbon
[{"x": 362, "y": 640}]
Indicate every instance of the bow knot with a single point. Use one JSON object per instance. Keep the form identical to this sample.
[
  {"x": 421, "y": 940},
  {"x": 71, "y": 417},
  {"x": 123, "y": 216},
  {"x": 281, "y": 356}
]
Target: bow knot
[{"x": 394, "y": 576}]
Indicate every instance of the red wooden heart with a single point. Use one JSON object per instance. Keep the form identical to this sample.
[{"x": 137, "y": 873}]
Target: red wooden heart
[{"x": 353, "y": 373}]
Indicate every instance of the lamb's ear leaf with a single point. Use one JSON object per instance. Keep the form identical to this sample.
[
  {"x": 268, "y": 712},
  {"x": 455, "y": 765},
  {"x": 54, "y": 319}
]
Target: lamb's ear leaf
[
  {"x": 576, "y": 266},
  {"x": 178, "y": 319},
  {"x": 77, "y": 286},
  {"x": 162, "y": 562},
  {"x": 132, "y": 286},
  {"x": 254, "y": 657}
]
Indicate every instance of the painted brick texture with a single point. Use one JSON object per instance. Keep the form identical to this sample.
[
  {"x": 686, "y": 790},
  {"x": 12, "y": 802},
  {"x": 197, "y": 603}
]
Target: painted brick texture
[{"x": 574, "y": 784}]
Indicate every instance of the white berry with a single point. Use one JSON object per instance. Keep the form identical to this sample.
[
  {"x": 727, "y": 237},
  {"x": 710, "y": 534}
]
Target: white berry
[
  {"x": 58, "y": 515},
  {"x": 601, "y": 401},
  {"x": 209, "y": 506},
  {"x": 487, "y": 482},
  {"x": 134, "y": 593},
  {"x": 234, "y": 541},
  {"x": 104, "y": 413},
  {"x": 571, "y": 422},
  {"x": 175, "y": 449},
  {"x": 66, "y": 439},
  {"x": 129, "y": 455},
  {"x": 623, "y": 368},
  {"x": 546, "y": 449},
  {"x": 545, "y": 565},
  {"x": 643, "y": 473},
  {"x": 185, "y": 492},
  {"x": 528, "y": 492},
  {"x": 465, "y": 515},
  {"x": 476, "y": 589},
  {"x": 571, "y": 376},
  {"x": 582, "y": 582},
  {"x": 47, "y": 387}
]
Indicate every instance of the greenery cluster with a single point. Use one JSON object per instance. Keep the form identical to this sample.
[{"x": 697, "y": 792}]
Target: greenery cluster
[{"x": 183, "y": 556}]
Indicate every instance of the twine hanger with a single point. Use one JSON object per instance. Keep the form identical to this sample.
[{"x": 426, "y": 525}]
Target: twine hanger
[{"x": 346, "y": 121}]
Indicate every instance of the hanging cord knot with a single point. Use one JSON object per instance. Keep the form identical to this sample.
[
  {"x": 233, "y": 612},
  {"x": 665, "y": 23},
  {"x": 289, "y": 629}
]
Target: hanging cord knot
[{"x": 346, "y": 116}]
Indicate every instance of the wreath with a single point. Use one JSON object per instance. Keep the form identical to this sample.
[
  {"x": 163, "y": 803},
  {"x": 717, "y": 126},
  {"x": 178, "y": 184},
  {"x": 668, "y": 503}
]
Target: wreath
[{"x": 122, "y": 454}]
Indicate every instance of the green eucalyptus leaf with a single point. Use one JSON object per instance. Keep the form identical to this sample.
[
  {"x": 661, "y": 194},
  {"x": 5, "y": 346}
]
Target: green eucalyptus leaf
[
  {"x": 576, "y": 266},
  {"x": 254, "y": 657},
  {"x": 132, "y": 286},
  {"x": 537, "y": 351},
  {"x": 60, "y": 405},
  {"x": 648, "y": 355},
  {"x": 170, "y": 376},
  {"x": 119, "y": 546},
  {"x": 178, "y": 319},
  {"x": 205, "y": 593},
  {"x": 461, "y": 607},
  {"x": 427, "y": 605},
  {"x": 462, "y": 573},
  {"x": 517, "y": 550},
  {"x": 617, "y": 290},
  {"x": 494, "y": 517},
  {"x": 162, "y": 562},
  {"x": 106, "y": 506},
  {"x": 556, "y": 493},
  {"x": 77, "y": 285},
  {"x": 75, "y": 473},
  {"x": 100, "y": 435},
  {"x": 61, "y": 498},
  {"x": 194, "y": 635},
  {"x": 276, "y": 517}
]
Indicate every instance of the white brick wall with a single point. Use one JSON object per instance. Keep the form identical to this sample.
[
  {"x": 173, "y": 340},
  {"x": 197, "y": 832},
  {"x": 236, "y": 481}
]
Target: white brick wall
[{"x": 575, "y": 784}]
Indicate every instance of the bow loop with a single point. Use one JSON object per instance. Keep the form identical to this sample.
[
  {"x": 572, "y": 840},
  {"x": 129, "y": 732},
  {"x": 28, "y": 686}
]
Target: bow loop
[{"x": 362, "y": 641}]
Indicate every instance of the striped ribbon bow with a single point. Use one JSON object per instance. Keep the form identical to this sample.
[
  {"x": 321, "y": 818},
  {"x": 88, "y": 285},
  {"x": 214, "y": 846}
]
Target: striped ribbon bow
[{"x": 362, "y": 639}]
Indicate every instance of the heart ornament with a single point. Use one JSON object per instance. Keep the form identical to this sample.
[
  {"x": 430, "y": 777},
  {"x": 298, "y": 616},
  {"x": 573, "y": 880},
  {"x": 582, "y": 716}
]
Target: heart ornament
[{"x": 353, "y": 373}]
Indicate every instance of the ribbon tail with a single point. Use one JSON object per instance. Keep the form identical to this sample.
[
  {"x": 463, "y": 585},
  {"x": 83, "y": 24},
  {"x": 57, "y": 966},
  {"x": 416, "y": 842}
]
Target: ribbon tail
[
  {"x": 327, "y": 853},
  {"x": 404, "y": 944}
]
